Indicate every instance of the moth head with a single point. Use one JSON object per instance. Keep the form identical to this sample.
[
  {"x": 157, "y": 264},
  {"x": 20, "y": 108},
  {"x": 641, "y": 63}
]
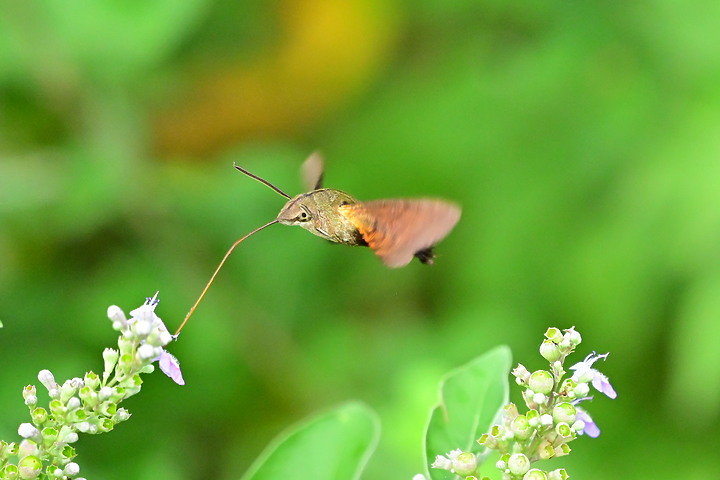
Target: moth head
[{"x": 295, "y": 212}]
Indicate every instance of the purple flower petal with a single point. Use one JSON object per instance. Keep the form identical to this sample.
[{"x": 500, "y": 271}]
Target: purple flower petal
[
  {"x": 171, "y": 367},
  {"x": 602, "y": 384},
  {"x": 591, "y": 429}
]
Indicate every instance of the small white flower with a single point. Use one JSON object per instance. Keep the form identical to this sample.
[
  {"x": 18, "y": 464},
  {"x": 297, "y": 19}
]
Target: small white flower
[
  {"x": 72, "y": 468},
  {"x": 116, "y": 314},
  {"x": 146, "y": 351},
  {"x": 142, "y": 328},
  {"x": 121, "y": 415},
  {"x": 578, "y": 426},
  {"x": 47, "y": 379},
  {"x": 105, "y": 393},
  {"x": 539, "y": 398},
  {"x": 83, "y": 426},
  {"x": 28, "y": 430}
]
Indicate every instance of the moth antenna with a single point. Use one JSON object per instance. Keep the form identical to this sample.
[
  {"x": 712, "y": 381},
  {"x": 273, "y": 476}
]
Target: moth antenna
[
  {"x": 261, "y": 180},
  {"x": 187, "y": 317}
]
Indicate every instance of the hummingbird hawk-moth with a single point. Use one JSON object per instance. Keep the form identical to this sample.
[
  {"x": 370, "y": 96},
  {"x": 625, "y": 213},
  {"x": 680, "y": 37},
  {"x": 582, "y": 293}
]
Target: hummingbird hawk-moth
[{"x": 396, "y": 229}]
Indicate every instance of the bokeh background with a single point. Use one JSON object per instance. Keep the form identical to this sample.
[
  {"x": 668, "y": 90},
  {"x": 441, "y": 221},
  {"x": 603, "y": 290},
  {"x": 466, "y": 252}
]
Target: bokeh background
[{"x": 582, "y": 139}]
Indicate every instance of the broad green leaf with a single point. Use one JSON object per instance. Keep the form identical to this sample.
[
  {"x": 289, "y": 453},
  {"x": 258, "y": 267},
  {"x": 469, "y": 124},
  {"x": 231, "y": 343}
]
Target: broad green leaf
[
  {"x": 470, "y": 398},
  {"x": 330, "y": 446}
]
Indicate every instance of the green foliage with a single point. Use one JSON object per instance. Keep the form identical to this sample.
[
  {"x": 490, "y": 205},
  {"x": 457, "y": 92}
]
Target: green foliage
[
  {"x": 470, "y": 398},
  {"x": 331, "y": 446}
]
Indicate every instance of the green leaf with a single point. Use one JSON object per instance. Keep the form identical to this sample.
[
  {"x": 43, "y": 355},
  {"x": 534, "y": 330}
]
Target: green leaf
[
  {"x": 330, "y": 446},
  {"x": 470, "y": 398}
]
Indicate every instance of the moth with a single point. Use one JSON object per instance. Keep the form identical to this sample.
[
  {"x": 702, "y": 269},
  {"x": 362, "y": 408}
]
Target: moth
[{"x": 395, "y": 229}]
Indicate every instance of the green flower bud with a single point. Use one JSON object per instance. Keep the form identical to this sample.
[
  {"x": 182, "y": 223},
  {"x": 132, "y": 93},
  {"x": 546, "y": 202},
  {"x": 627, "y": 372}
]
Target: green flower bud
[
  {"x": 559, "y": 474},
  {"x": 545, "y": 450},
  {"x": 57, "y": 409},
  {"x": 121, "y": 415},
  {"x": 125, "y": 346},
  {"x": 465, "y": 464},
  {"x": 563, "y": 430},
  {"x": 105, "y": 425},
  {"x": 67, "y": 453},
  {"x": 49, "y": 436},
  {"x": 132, "y": 385},
  {"x": 554, "y": 335},
  {"x": 550, "y": 351},
  {"x": 561, "y": 450},
  {"x": 521, "y": 428},
  {"x": 564, "y": 412},
  {"x": 572, "y": 337},
  {"x": 29, "y": 467},
  {"x": 67, "y": 435},
  {"x": 108, "y": 409},
  {"x": 510, "y": 411},
  {"x": 53, "y": 472},
  {"x": 528, "y": 397},
  {"x": 88, "y": 396},
  {"x": 535, "y": 474},
  {"x": 110, "y": 358},
  {"x": 77, "y": 415},
  {"x": 118, "y": 394},
  {"x": 30, "y": 395},
  {"x": 518, "y": 464},
  {"x": 9, "y": 471},
  {"x": 92, "y": 380},
  {"x": 487, "y": 440},
  {"x": 39, "y": 416},
  {"x": 69, "y": 389},
  {"x": 541, "y": 381},
  {"x": 125, "y": 363},
  {"x": 533, "y": 418},
  {"x": 149, "y": 368},
  {"x": 7, "y": 450}
]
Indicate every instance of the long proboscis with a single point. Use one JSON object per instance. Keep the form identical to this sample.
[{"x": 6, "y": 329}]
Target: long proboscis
[
  {"x": 261, "y": 180},
  {"x": 187, "y": 317}
]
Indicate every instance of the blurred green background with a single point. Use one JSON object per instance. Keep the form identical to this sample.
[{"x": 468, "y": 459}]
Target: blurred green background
[{"x": 581, "y": 138}]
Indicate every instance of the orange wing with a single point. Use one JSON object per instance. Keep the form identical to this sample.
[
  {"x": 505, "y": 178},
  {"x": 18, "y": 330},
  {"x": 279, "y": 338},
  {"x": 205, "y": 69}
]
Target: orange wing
[{"x": 397, "y": 230}]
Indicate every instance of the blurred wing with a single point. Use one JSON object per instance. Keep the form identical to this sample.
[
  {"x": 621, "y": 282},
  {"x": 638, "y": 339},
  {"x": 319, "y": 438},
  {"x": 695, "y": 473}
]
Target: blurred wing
[
  {"x": 397, "y": 230},
  {"x": 312, "y": 172}
]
